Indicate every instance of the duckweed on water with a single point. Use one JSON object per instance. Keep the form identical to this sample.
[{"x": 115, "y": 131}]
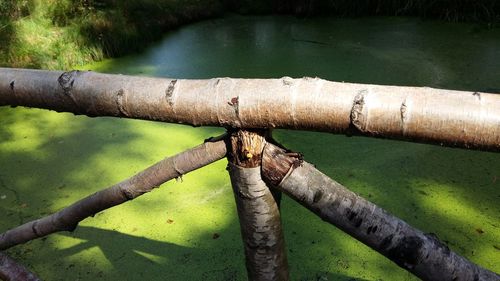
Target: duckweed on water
[{"x": 48, "y": 160}]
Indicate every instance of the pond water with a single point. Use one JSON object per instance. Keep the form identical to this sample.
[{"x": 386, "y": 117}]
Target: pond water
[
  {"x": 395, "y": 51},
  {"x": 188, "y": 230}
]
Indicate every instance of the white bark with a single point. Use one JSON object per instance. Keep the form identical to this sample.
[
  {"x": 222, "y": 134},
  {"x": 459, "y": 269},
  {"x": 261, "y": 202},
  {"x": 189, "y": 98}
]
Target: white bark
[
  {"x": 454, "y": 118},
  {"x": 260, "y": 225}
]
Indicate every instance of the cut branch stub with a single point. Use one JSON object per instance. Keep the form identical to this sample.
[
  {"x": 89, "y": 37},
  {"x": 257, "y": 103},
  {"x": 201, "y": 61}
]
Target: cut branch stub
[
  {"x": 246, "y": 148},
  {"x": 258, "y": 211},
  {"x": 277, "y": 163},
  {"x": 419, "y": 253}
]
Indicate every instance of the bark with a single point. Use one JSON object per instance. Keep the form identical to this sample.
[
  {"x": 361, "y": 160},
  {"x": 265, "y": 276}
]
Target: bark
[
  {"x": 68, "y": 218},
  {"x": 420, "y": 253},
  {"x": 453, "y": 118},
  {"x": 10, "y": 270},
  {"x": 258, "y": 211}
]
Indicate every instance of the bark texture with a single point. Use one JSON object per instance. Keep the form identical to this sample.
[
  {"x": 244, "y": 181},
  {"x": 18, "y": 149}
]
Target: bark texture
[
  {"x": 68, "y": 218},
  {"x": 453, "y": 118},
  {"x": 258, "y": 211},
  {"x": 260, "y": 225},
  {"x": 420, "y": 253},
  {"x": 10, "y": 270}
]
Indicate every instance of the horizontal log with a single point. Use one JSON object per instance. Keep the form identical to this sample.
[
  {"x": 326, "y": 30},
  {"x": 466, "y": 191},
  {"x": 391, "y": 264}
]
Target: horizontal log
[{"x": 421, "y": 114}]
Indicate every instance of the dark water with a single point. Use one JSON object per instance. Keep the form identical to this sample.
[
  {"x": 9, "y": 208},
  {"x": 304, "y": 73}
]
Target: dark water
[{"x": 397, "y": 51}]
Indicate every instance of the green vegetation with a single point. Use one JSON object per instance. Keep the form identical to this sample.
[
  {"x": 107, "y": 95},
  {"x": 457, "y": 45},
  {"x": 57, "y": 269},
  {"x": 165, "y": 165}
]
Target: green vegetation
[
  {"x": 450, "y": 10},
  {"x": 60, "y": 34}
]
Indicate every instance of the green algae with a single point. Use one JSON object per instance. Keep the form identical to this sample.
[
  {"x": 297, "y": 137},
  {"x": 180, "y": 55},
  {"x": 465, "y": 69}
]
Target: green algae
[{"x": 49, "y": 160}]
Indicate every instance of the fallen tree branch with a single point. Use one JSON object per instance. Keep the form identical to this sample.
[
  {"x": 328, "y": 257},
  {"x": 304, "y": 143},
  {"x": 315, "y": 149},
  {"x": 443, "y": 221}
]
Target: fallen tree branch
[
  {"x": 419, "y": 253},
  {"x": 68, "y": 218},
  {"x": 444, "y": 117},
  {"x": 10, "y": 270}
]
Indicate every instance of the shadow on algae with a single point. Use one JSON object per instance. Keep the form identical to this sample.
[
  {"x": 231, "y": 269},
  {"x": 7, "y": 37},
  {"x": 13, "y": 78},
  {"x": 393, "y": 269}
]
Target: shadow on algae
[{"x": 188, "y": 229}]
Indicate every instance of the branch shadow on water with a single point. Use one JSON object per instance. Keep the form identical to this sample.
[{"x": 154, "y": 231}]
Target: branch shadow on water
[
  {"x": 133, "y": 257},
  {"x": 49, "y": 160},
  {"x": 50, "y": 163}
]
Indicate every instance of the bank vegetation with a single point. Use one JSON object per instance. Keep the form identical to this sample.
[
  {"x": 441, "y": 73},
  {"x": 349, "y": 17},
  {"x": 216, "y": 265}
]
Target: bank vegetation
[{"x": 60, "y": 34}]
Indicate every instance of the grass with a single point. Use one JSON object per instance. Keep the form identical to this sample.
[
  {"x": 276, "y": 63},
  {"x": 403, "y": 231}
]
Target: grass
[
  {"x": 60, "y": 34},
  {"x": 33, "y": 40},
  {"x": 37, "y": 44}
]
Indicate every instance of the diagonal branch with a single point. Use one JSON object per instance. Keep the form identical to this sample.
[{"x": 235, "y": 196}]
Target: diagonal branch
[
  {"x": 68, "y": 218},
  {"x": 10, "y": 270},
  {"x": 421, "y": 254}
]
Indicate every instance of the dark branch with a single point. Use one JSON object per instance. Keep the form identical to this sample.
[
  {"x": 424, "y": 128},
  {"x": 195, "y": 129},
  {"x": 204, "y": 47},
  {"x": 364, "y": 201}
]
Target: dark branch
[
  {"x": 145, "y": 181},
  {"x": 419, "y": 253}
]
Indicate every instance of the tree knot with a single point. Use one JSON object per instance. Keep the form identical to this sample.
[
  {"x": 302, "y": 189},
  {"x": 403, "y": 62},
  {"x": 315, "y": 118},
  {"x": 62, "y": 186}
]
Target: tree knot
[
  {"x": 357, "y": 118},
  {"x": 67, "y": 79}
]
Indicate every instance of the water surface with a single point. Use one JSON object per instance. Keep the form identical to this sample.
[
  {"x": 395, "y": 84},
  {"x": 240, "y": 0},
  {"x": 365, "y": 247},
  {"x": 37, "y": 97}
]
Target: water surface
[{"x": 395, "y": 51}]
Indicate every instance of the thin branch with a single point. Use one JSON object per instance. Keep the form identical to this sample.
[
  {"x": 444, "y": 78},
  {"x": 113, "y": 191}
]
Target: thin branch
[
  {"x": 68, "y": 218},
  {"x": 10, "y": 270},
  {"x": 419, "y": 253},
  {"x": 420, "y": 114}
]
